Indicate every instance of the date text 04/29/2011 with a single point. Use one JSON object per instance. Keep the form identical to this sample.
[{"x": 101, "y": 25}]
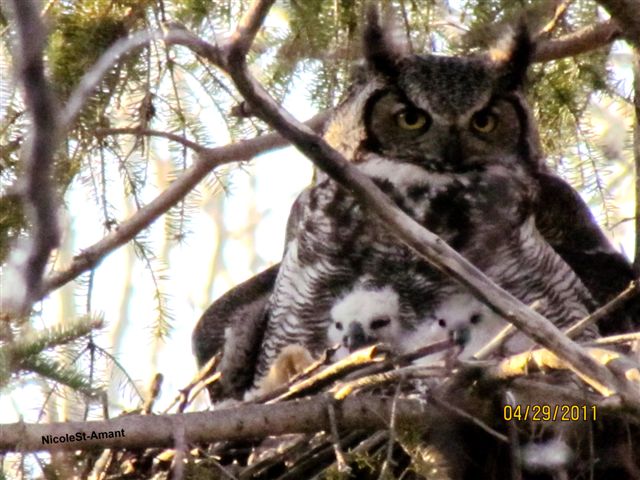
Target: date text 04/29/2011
[{"x": 549, "y": 413}]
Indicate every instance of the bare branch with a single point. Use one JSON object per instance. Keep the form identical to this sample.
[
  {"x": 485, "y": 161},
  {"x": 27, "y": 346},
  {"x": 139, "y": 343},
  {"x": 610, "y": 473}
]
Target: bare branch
[
  {"x": 615, "y": 339},
  {"x": 584, "y": 40},
  {"x": 208, "y": 159},
  {"x": 247, "y": 29},
  {"x": 93, "y": 77},
  {"x": 36, "y": 190},
  {"x": 423, "y": 242},
  {"x": 625, "y": 12},
  {"x": 241, "y": 422},
  {"x": 180, "y": 36},
  {"x": 138, "y": 131},
  {"x": 628, "y": 293}
]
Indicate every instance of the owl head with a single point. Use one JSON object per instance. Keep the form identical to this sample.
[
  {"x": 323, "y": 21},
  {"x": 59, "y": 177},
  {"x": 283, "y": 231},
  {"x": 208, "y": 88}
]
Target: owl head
[
  {"x": 365, "y": 316},
  {"x": 443, "y": 113}
]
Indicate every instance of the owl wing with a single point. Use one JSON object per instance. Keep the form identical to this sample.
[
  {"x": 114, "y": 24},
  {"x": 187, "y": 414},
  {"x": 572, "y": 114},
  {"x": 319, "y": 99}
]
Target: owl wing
[
  {"x": 567, "y": 224},
  {"x": 234, "y": 325}
]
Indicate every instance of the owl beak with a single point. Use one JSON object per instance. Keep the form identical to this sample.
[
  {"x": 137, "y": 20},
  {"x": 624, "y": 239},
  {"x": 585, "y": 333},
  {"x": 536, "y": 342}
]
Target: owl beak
[
  {"x": 452, "y": 151},
  {"x": 355, "y": 337},
  {"x": 460, "y": 336}
]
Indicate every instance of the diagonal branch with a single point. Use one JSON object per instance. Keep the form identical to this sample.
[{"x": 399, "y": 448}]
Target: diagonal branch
[
  {"x": 247, "y": 29},
  {"x": 424, "y": 243},
  {"x": 208, "y": 159},
  {"x": 584, "y": 40},
  {"x": 632, "y": 291}
]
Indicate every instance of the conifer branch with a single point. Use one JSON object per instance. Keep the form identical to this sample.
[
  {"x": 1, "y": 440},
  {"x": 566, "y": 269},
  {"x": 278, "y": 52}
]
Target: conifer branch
[
  {"x": 147, "y": 132},
  {"x": 208, "y": 160},
  {"x": 93, "y": 77}
]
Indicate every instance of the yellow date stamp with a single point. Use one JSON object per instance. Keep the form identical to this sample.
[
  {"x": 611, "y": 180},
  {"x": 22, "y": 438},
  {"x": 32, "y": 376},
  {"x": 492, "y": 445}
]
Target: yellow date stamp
[{"x": 549, "y": 413}]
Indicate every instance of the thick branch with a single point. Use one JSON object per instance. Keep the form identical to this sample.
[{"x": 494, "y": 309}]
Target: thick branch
[
  {"x": 627, "y": 14},
  {"x": 584, "y": 40},
  {"x": 241, "y": 422},
  {"x": 248, "y": 28},
  {"x": 208, "y": 159},
  {"x": 37, "y": 189},
  {"x": 423, "y": 242}
]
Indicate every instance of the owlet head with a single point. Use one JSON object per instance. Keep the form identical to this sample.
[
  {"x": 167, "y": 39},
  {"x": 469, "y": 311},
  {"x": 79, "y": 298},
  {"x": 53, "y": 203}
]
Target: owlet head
[{"x": 365, "y": 316}]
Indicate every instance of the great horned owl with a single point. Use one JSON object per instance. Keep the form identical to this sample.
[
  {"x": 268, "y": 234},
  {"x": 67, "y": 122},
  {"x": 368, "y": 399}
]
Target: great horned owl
[
  {"x": 428, "y": 130},
  {"x": 453, "y": 144}
]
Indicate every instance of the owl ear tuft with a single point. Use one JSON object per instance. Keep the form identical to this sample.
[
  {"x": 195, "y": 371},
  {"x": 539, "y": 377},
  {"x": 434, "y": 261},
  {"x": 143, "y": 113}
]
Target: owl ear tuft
[
  {"x": 513, "y": 55},
  {"x": 382, "y": 48}
]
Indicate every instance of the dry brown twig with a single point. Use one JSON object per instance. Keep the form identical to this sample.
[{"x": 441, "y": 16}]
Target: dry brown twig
[
  {"x": 198, "y": 383},
  {"x": 616, "y": 339},
  {"x": 632, "y": 291},
  {"x": 523, "y": 363},
  {"x": 473, "y": 419},
  {"x": 147, "y": 132},
  {"x": 636, "y": 154},
  {"x": 358, "y": 359},
  {"x": 392, "y": 434}
]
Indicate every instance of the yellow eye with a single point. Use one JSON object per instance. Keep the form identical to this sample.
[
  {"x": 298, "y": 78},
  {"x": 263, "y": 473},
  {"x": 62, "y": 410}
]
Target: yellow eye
[
  {"x": 411, "y": 119},
  {"x": 484, "y": 122}
]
